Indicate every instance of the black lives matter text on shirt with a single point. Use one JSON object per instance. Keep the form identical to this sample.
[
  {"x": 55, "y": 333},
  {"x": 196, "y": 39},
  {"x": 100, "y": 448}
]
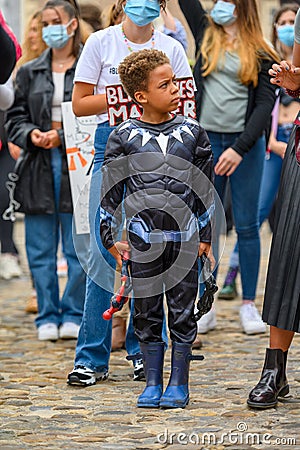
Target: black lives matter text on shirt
[{"x": 121, "y": 107}]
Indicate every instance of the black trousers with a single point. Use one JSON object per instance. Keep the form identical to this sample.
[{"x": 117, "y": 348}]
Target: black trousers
[
  {"x": 7, "y": 164},
  {"x": 170, "y": 268}
]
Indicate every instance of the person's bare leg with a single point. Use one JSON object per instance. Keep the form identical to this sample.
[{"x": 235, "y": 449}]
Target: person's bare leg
[{"x": 280, "y": 338}]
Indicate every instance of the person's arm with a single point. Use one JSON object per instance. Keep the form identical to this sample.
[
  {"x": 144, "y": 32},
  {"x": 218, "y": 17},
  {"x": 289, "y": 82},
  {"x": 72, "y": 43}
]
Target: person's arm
[
  {"x": 196, "y": 18},
  {"x": 87, "y": 75},
  {"x": 296, "y": 54},
  {"x": 6, "y": 94},
  {"x": 19, "y": 126},
  {"x": 112, "y": 193},
  {"x": 85, "y": 103},
  {"x": 296, "y": 49},
  {"x": 174, "y": 28},
  {"x": 277, "y": 147},
  {"x": 168, "y": 19},
  {"x": 14, "y": 150}
]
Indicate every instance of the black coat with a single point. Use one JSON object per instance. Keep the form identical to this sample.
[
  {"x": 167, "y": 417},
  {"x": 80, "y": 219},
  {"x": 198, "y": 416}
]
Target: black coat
[
  {"x": 261, "y": 98},
  {"x": 282, "y": 293},
  {"x": 32, "y": 109},
  {"x": 8, "y": 55}
]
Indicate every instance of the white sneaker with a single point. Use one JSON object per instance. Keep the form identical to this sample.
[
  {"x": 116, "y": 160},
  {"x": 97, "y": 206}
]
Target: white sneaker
[
  {"x": 251, "y": 319},
  {"x": 207, "y": 322},
  {"x": 69, "y": 330},
  {"x": 9, "y": 266},
  {"x": 48, "y": 332}
]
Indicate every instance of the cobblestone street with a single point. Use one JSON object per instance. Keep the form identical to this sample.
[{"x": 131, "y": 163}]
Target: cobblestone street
[{"x": 39, "y": 410}]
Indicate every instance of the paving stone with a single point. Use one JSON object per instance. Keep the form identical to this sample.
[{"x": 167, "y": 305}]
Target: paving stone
[{"x": 15, "y": 402}]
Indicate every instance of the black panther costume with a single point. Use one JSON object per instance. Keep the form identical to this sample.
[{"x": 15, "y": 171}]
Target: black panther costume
[{"x": 164, "y": 174}]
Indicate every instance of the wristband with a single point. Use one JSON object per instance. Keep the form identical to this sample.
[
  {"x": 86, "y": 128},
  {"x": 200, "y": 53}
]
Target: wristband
[{"x": 294, "y": 94}]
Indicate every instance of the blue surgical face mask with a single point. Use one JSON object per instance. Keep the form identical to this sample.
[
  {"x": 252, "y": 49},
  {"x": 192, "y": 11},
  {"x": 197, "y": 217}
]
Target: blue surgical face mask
[
  {"x": 285, "y": 34},
  {"x": 142, "y": 12},
  {"x": 222, "y": 13},
  {"x": 56, "y": 36}
]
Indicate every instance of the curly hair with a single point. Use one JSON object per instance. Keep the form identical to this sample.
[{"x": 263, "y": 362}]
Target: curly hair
[{"x": 135, "y": 69}]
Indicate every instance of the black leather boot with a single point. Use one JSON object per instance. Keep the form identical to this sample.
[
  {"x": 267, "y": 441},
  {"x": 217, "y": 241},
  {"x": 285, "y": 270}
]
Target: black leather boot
[{"x": 273, "y": 382}]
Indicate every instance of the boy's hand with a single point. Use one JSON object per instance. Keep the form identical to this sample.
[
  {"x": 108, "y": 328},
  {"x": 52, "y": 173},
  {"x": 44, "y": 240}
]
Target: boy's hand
[
  {"x": 117, "y": 250},
  {"x": 205, "y": 247}
]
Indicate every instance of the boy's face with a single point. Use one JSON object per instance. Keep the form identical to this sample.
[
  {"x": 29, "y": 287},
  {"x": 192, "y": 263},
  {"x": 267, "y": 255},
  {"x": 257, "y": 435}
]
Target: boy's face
[{"x": 162, "y": 94}]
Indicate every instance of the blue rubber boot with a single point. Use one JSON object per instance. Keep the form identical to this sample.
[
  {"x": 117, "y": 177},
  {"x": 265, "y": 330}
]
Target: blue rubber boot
[
  {"x": 177, "y": 393},
  {"x": 153, "y": 359}
]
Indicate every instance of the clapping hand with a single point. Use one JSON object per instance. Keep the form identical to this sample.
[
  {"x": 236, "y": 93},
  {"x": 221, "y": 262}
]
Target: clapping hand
[{"x": 285, "y": 75}]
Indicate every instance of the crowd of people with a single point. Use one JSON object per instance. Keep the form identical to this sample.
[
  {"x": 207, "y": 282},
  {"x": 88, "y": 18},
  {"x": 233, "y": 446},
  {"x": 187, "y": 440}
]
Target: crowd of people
[{"x": 156, "y": 180}]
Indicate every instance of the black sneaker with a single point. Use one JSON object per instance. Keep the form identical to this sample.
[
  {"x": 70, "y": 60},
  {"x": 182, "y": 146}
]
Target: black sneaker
[
  {"x": 138, "y": 372},
  {"x": 83, "y": 376}
]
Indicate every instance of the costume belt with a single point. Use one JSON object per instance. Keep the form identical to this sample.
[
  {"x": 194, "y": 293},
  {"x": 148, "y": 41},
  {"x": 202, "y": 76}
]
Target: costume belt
[{"x": 160, "y": 236}]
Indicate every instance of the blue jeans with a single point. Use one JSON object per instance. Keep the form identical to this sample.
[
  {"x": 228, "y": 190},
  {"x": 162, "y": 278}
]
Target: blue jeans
[
  {"x": 245, "y": 189},
  {"x": 269, "y": 185},
  {"x": 42, "y": 236},
  {"x": 271, "y": 176},
  {"x": 94, "y": 340}
]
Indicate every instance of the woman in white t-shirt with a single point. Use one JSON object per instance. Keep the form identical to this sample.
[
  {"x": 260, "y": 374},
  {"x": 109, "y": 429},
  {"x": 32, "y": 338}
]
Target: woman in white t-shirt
[{"x": 96, "y": 69}]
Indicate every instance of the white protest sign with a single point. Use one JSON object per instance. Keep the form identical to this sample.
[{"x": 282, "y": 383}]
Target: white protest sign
[{"x": 79, "y": 137}]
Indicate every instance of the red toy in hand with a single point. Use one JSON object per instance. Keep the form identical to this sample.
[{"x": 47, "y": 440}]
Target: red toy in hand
[{"x": 121, "y": 297}]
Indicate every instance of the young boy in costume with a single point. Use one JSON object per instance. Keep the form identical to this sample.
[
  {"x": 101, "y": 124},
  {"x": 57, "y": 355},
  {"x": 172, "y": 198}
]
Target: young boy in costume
[{"x": 160, "y": 169}]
